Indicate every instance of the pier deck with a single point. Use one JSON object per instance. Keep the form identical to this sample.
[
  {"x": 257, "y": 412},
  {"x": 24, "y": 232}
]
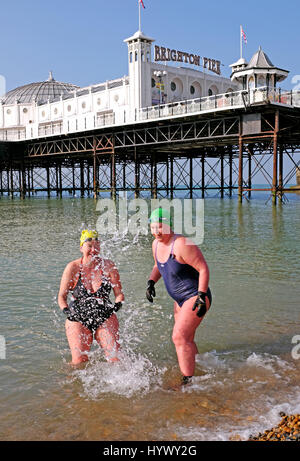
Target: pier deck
[{"x": 191, "y": 148}]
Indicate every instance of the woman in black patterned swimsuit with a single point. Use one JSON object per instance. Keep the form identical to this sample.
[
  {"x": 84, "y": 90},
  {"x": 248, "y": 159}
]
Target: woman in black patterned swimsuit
[{"x": 90, "y": 312}]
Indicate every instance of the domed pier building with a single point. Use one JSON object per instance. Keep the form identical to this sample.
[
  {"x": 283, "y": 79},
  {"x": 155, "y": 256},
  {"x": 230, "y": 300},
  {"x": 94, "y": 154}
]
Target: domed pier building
[{"x": 157, "y": 76}]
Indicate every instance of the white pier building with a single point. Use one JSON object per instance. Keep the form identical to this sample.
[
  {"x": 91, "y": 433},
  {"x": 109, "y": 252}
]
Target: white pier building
[{"x": 161, "y": 82}]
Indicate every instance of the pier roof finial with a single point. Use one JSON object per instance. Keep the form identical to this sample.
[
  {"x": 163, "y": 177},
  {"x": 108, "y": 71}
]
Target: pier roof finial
[
  {"x": 50, "y": 78},
  {"x": 139, "y": 35}
]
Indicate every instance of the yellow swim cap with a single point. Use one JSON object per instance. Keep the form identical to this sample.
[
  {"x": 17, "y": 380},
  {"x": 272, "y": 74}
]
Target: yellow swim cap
[{"x": 87, "y": 234}]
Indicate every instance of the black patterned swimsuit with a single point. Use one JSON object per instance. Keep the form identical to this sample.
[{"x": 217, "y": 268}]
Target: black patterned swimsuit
[{"x": 91, "y": 308}]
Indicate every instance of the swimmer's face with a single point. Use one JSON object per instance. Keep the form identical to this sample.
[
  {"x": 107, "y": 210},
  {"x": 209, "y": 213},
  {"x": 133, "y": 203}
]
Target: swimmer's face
[
  {"x": 160, "y": 230},
  {"x": 91, "y": 247}
]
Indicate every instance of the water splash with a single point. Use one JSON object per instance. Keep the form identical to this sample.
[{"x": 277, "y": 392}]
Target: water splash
[{"x": 133, "y": 375}]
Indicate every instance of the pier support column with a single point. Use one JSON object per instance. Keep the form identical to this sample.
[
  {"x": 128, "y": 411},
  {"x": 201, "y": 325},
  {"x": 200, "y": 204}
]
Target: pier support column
[
  {"x": 73, "y": 180},
  {"x": 7, "y": 179},
  {"x": 230, "y": 173},
  {"x": 222, "y": 174},
  {"x": 171, "y": 176},
  {"x": 22, "y": 181},
  {"x": 275, "y": 159},
  {"x": 56, "y": 179},
  {"x": 124, "y": 175},
  {"x": 95, "y": 168},
  {"x": 31, "y": 170},
  {"x": 98, "y": 165},
  {"x": 203, "y": 174},
  {"x": 191, "y": 176},
  {"x": 88, "y": 185},
  {"x": 280, "y": 176},
  {"x": 240, "y": 184},
  {"x": 113, "y": 176},
  {"x": 11, "y": 182},
  {"x": 250, "y": 153},
  {"x": 1, "y": 183},
  {"x": 136, "y": 175},
  {"x": 48, "y": 180},
  {"x": 81, "y": 178},
  {"x": 167, "y": 176},
  {"x": 154, "y": 176},
  {"x": 60, "y": 180},
  {"x": 29, "y": 183}
]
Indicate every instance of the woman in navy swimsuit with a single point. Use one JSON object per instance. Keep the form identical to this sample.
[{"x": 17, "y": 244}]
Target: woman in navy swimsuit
[
  {"x": 186, "y": 276},
  {"x": 90, "y": 313}
]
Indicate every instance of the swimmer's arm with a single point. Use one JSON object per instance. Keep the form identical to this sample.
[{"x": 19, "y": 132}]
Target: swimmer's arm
[
  {"x": 155, "y": 274},
  {"x": 116, "y": 283},
  {"x": 190, "y": 254},
  {"x": 65, "y": 286}
]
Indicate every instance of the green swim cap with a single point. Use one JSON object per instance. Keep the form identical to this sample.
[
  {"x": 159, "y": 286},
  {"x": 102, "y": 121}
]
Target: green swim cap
[{"x": 161, "y": 215}]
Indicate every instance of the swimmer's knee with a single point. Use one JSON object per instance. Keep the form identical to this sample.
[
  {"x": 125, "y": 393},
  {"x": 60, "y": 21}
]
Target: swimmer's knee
[
  {"x": 179, "y": 338},
  {"x": 78, "y": 360}
]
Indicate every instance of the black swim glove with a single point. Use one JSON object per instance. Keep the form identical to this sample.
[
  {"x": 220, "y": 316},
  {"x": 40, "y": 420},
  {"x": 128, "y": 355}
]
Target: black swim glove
[
  {"x": 70, "y": 312},
  {"x": 150, "y": 292},
  {"x": 118, "y": 306},
  {"x": 200, "y": 304}
]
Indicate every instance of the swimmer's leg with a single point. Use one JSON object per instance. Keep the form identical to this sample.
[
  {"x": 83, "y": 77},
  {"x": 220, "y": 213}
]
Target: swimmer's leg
[
  {"x": 176, "y": 311},
  {"x": 80, "y": 340},
  {"x": 186, "y": 323},
  {"x": 107, "y": 336}
]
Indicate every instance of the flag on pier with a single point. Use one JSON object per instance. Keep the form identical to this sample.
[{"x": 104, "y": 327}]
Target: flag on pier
[
  {"x": 243, "y": 35},
  {"x": 243, "y": 38},
  {"x": 142, "y": 3}
]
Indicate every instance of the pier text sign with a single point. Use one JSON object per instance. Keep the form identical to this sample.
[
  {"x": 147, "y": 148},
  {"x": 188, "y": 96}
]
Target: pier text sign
[{"x": 166, "y": 54}]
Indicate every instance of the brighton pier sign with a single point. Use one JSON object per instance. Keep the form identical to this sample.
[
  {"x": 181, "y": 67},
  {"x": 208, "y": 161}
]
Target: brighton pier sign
[{"x": 166, "y": 54}]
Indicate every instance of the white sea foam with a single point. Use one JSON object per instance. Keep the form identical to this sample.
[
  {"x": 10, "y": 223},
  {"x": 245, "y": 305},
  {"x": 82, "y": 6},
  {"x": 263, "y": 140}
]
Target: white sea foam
[
  {"x": 210, "y": 361},
  {"x": 263, "y": 401},
  {"x": 133, "y": 374},
  {"x": 263, "y": 419},
  {"x": 269, "y": 362}
]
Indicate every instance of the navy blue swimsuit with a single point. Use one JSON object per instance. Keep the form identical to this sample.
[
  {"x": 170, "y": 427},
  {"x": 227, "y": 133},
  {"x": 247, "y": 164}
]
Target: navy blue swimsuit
[{"x": 181, "y": 280}]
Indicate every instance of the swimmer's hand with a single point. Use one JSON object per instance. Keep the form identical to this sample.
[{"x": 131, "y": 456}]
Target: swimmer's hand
[
  {"x": 150, "y": 292},
  {"x": 200, "y": 304},
  {"x": 70, "y": 312},
  {"x": 118, "y": 306}
]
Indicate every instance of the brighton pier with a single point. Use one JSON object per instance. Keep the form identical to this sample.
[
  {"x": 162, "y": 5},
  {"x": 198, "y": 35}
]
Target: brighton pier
[{"x": 159, "y": 131}]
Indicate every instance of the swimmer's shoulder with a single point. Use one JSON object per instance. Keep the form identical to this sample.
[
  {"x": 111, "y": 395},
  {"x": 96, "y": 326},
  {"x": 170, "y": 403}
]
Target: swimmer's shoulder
[
  {"x": 184, "y": 244},
  {"x": 109, "y": 265},
  {"x": 71, "y": 272},
  {"x": 154, "y": 244},
  {"x": 73, "y": 267},
  {"x": 179, "y": 241}
]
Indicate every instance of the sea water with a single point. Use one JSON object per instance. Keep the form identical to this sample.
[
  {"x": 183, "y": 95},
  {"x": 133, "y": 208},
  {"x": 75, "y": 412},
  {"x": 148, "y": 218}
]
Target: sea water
[{"x": 247, "y": 369}]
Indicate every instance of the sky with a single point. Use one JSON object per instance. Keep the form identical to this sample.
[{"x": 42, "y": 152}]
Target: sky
[{"x": 81, "y": 41}]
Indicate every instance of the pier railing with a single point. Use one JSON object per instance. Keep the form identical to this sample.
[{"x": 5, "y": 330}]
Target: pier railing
[
  {"x": 207, "y": 103},
  {"x": 219, "y": 102},
  {"x": 275, "y": 95},
  {"x": 15, "y": 134}
]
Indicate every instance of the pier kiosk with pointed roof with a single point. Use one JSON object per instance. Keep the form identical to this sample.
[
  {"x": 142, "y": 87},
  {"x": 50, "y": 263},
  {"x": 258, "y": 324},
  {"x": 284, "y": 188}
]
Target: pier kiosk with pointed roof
[{"x": 259, "y": 73}]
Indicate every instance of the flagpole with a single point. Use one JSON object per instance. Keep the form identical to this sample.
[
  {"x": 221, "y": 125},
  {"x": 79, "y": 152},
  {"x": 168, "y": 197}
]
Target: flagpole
[
  {"x": 241, "y": 39},
  {"x": 139, "y": 16}
]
